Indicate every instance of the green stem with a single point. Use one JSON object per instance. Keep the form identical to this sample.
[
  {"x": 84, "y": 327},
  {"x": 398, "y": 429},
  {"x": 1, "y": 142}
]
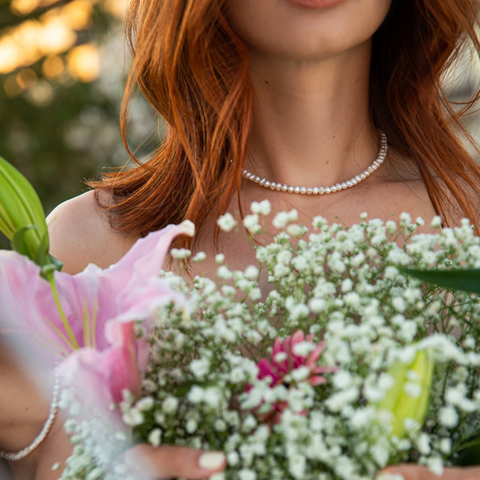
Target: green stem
[{"x": 66, "y": 325}]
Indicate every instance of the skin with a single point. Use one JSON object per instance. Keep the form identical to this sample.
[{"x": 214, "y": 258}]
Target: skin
[{"x": 310, "y": 72}]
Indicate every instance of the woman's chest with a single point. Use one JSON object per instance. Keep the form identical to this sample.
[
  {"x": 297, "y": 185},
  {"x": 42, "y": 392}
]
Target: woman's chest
[{"x": 385, "y": 201}]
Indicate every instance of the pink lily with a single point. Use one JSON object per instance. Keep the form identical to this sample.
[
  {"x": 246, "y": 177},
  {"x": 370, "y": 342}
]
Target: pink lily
[{"x": 90, "y": 314}]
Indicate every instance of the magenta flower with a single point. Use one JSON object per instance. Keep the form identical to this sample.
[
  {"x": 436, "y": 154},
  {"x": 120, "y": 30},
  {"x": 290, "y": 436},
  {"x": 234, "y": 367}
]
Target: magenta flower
[
  {"x": 95, "y": 321},
  {"x": 283, "y": 364},
  {"x": 285, "y": 361}
]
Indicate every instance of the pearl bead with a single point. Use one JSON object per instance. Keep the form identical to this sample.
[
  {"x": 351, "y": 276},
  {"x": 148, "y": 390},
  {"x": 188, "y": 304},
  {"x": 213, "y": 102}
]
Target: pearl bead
[
  {"x": 279, "y": 187},
  {"x": 262, "y": 182},
  {"x": 363, "y": 176},
  {"x": 315, "y": 190},
  {"x": 349, "y": 184},
  {"x": 257, "y": 179},
  {"x": 284, "y": 188},
  {"x": 290, "y": 189},
  {"x": 359, "y": 178},
  {"x": 296, "y": 189},
  {"x": 370, "y": 169},
  {"x": 309, "y": 191},
  {"x": 267, "y": 184},
  {"x": 344, "y": 186},
  {"x": 273, "y": 185},
  {"x": 303, "y": 190},
  {"x": 328, "y": 190}
]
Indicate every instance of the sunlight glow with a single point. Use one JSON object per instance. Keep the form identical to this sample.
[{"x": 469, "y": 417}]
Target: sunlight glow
[
  {"x": 52, "y": 34},
  {"x": 84, "y": 63}
]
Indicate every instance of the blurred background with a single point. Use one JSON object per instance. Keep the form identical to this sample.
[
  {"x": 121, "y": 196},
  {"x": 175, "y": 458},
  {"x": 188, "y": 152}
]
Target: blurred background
[{"x": 62, "y": 72}]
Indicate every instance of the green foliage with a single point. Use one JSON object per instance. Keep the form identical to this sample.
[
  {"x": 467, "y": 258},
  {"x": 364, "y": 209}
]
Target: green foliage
[{"x": 466, "y": 280}]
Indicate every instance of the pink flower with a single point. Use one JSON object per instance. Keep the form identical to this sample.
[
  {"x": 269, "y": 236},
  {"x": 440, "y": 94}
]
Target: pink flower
[
  {"x": 279, "y": 368},
  {"x": 285, "y": 361},
  {"x": 99, "y": 308}
]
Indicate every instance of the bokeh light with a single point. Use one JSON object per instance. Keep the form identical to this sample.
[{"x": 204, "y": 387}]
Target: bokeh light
[
  {"x": 52, "y": 67},
  {"x": 84, "y": 63},
  {"x": 53, "y": 33}
]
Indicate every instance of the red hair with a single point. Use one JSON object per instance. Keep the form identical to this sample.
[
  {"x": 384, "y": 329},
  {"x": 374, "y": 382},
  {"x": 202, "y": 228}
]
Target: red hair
[{"x": 193, "y": 69}]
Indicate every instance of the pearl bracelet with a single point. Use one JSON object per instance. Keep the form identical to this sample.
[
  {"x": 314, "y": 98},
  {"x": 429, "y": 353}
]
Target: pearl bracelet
[{"x": 12, "y": 457}]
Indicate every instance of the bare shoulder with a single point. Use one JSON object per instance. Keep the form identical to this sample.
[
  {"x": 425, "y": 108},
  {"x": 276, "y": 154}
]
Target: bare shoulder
[{"x": 80, "y": 233}]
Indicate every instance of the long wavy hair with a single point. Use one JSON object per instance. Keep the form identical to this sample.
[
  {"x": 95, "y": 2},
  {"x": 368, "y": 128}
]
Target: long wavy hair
[{"x": 193, "y": 69}]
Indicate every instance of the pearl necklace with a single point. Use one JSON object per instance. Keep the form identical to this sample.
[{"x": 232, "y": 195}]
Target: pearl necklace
[{"x": 322, "y": 190}]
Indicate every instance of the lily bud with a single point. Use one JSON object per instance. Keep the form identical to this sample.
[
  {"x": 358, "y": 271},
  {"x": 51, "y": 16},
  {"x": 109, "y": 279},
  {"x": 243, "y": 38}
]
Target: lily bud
[
  {"x": 408, "y": 398},
  {"x": 22, "y": 218}
]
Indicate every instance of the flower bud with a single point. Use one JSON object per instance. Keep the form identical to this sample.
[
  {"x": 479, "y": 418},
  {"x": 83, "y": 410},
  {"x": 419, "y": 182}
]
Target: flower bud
[
  {"x": 22, "y": 218},
  {"x": 407, "y": 400}
]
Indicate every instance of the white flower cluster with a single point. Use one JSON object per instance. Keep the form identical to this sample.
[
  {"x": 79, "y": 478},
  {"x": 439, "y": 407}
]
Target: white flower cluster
[
  {"x": 288, "y": 382},
  {"x": 97, "y": 445}
]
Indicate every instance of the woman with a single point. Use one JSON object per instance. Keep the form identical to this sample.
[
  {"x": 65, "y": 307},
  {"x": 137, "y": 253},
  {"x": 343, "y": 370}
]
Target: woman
[{"x": 293, "y": 91}]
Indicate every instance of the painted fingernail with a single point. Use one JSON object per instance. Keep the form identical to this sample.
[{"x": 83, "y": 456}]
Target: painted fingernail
[
  {"x": 211, "y": 460},
  {"x": 389, "y": 474}
]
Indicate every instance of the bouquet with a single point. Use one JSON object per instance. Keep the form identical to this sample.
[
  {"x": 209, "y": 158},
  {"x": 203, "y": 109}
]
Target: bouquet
[{"x": 341, "y": 364}]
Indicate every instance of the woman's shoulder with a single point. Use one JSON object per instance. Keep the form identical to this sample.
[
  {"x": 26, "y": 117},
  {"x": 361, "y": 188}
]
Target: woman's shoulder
[{"x": 80, "y": 233}]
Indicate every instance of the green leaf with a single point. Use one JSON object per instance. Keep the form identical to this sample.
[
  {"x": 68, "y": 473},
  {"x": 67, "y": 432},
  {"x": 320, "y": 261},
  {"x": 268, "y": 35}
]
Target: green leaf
[
  {"x": 471, "y": 443},
  {"x": 47, "y": 271},
  {"x": 469, "y": 453},
  {"x": 57, "y": 263},
  {"x": 466, "y": 280}
]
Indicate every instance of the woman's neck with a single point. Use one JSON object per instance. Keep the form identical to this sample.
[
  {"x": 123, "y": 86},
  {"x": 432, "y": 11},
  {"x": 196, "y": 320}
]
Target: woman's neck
[{"x": 311, "y": 124}]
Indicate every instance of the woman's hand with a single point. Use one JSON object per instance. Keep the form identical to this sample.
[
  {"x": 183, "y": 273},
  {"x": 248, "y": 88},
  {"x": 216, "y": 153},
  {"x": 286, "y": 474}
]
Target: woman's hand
[
  {"x": 170, "y": 462},
  {"x": 151, "y": 463},
  {"x": 414, "y": 472}
]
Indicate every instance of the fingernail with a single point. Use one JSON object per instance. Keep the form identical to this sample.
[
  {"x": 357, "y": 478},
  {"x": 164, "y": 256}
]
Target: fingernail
[
  {"x": 211, "y": 460},
  {"x": 389, "y": 474}
]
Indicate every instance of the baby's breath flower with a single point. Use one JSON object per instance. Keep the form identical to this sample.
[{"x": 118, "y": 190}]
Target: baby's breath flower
[
  {"x": 280, "y": 220},
  {"x": 294, "y": 230},
  {"x": 224, "y": 273},
  {"x": 250, "y": 222},
  {"x": 391, "y": 226},
  {"x": 180, "y": 253},
  {"x": 436, "y": 222},
  {"x": 133, "y": 417},
  {"x": 317, "y": 305},
  {"x": 170, "y": 404},
  {"x": 251, "y": 272},
  {"x": 262, "y": 208},
  {"x": 145, "y": 404},
  {"x": 155, "y": 437},
  {"x": 226, "y": 222},
  {"x": 448, "y": 417},
  {"x": 199, "y": 257},
  {"x": 191, "y": 426}
]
